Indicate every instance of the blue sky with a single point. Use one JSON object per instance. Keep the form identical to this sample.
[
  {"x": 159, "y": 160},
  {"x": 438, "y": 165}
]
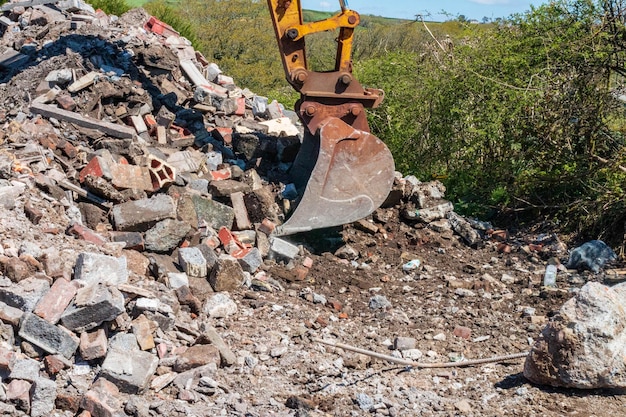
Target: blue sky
[{"x": 407, "y": 9}]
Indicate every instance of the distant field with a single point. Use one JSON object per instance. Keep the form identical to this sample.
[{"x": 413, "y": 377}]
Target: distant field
[
  {"x": 136, "y": 3},
  {"x": 309, "y": 15}
]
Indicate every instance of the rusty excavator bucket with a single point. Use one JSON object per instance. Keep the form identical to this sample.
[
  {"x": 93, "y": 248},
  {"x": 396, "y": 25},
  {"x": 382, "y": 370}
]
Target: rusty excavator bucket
[
  {"x": 351, "y": 177},
  {"x": 342, "y": 172}
]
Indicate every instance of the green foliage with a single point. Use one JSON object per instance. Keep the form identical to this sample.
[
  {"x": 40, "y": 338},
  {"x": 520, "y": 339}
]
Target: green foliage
[
  {"x": 170, "y": 13},
  {"x": 115, "y": 7},
  {"x": 516, "y": 115}
]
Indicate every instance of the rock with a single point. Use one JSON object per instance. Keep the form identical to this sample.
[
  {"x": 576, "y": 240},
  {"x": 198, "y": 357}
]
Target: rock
[
  {"x": 379, "y": 302},
  {"x": 404, "y": 343},
  {"x": 219, "y": 305},
  {"x": 364, "y": 401},
  {"x": 130, "y": 371},
  {"x": 196, "y": 356},
  {"x": 227, "y": 275},
  {"x": 463, "y": 406},
  {"x": 43, "y": 396},
  {"x": 166, "y": 235},
  {"x": 580, "y": 345},
  {"x": 94, "y": 268}
]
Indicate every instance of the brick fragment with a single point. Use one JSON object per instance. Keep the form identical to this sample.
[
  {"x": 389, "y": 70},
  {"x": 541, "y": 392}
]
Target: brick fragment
[
  {"x": 66, "y": 102},
  {"x": 93, "y": 345},
  {"x": 241, "y": 213},
  {"x": 86, "y": 234},
  {"x": 142, "y": 329},
  {"x": 10, "y": 315},
  {"x": 52, "y": 305},
  {"x": 94, "y": 305},
  {"x": 102, "y": 399},
  {"x": 18, "y": 392},
  {"x": 55, "y": 364},
  {"x": 196, "y": 356}
]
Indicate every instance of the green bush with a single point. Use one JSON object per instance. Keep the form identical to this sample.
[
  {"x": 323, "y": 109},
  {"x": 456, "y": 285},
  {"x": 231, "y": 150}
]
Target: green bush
[{"x": 115, "y": 7}]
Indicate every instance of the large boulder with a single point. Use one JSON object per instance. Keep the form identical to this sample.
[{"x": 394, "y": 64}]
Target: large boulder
[{"x": 584, "y": 345}]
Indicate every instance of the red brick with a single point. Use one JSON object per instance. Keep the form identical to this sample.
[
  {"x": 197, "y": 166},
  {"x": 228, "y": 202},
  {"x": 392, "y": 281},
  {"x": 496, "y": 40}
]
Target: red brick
[
  {"x": 66, "y": 102},
  {"x": 462, "y": 332},
  {"x": 84, "y": 233},
  {"x": 55, "y": 363},
  {"x": 221, "y": 174},
  {"x": 98, "y": 167},
  {"x": 102, "y": 399},
  {"x": 225, "y": 134},
  {"x": 241, "y": 106},
  {"x": 93, "y": 345},
  {"x": 7, "y": 357},
  {"x": 52, "y": 305}
]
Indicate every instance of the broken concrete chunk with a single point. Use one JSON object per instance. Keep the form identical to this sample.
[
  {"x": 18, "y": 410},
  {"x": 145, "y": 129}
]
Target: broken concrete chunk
[
  {"x": 250, "y": 259},
  {"x": 94, "y": 268},
  {"x": 282, "y": 249},
  {"x": 130, "y": 371},
  {"x": 166, "y": 235},
  {"x": 219, "y": 305},
  {"x": 215, "y": 214},
  {"x": 225, "y": 188},
  {"x": 47, "y": 336},
  {"x": 193, "y": 262},
  {"x": 141, "y": 215},
  {"x": 111, "y": 129},
  {"x": 94, "y": 305},
  {"x": 25, "y": 295},
  {"x": 43, "y": 396}
]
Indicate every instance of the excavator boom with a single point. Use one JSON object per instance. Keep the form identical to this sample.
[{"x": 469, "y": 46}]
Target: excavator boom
[{"x": 342, "y": 172}]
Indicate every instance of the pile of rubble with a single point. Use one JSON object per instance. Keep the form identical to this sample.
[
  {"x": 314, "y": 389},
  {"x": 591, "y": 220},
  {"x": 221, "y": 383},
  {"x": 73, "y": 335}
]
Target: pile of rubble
[{"x": 144, "y": 186}]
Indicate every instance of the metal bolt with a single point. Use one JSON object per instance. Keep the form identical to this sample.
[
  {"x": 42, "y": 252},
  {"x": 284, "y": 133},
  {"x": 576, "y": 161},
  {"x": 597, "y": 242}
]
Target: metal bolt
[
  {"x": 299, "y": 76},
  {"x": 352, "y": 20},
  {"x": 292, "y": 33},
  {"x": 310, "y": 110},
  {"x": 355, "y": 111},
  {"x": 346, "y": 79}
]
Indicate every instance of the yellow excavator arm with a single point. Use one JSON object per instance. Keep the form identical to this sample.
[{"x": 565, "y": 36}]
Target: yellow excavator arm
[{"x": 343, "y": 172}]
